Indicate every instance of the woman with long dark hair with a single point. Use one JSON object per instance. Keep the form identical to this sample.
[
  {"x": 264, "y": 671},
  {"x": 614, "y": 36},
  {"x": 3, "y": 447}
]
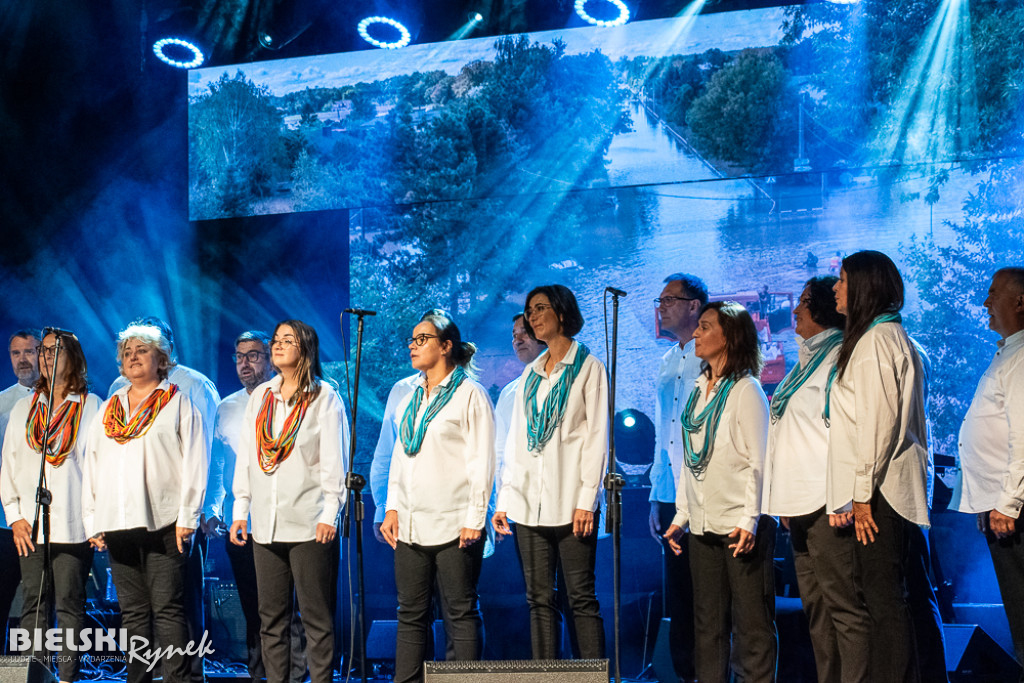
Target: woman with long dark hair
[
  {"x": 70, "y": 553},
  {"x": 439, "y": 483},
  {"x": 552, "y": 478},
  {"x": 878, "y": 454},
  {"x": 718, "y": 500},
  {"x": 290, "y": 480}
]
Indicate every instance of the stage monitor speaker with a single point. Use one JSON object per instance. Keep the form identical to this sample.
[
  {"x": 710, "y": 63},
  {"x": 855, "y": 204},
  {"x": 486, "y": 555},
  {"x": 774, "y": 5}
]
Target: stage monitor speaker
[
  {"x": 518, "y": 671},
  {"x": 24, "y": 669},
  {"x": 972, "y": 656}
]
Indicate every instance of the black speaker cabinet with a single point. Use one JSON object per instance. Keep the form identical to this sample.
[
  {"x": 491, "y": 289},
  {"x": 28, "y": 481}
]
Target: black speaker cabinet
[
  {"x": 24, "y": 669},
  {"x": 973, "y": 657},
  {"x": 518, "y": 671}
]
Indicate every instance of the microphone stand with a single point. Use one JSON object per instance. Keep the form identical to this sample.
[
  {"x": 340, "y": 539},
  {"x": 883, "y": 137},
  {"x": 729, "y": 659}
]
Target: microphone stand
[
  {"x": 355, "y": 482},
  {"x": 43, "y": 496},
  {"x": 614, "y": 483}
]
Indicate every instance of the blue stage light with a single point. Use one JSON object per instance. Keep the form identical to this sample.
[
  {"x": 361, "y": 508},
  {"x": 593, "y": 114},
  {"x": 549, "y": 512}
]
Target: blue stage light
[
  {"x": 364, "y": 31},
  {"x": 618, "y": 21},
  {"x": 197, "y": 54},
  {"x": 629, "y": 421}
]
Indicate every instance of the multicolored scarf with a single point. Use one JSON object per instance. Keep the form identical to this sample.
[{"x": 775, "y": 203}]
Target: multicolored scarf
[
  {"x": 411, "y": 433},
  {"x": 799, "y": 375},
  {"x": 834, "y": 372},
  {"x": 541, "y": 424},
  {"x": 272, "y": 452},
  {"x": 697, "y": 460},
  {"x": 113, "y": 417},
  {"x": 63, "y": 430}
]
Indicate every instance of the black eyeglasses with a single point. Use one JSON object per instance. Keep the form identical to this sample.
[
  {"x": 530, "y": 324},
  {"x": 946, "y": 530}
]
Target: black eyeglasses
[
  {"x": 285, "y": 342},
  {"x": 671, "y": 300},
  {"x": 46, "y": 351},
  {"x": 536, "y": 308},
  {"x": 420, "y": 339},
  {"x": 251, "y": 356}
]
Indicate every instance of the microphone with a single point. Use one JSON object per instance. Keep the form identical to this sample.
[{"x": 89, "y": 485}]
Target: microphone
[
  {"x": 616, "y": 292},
  {"x": 359, "y": 311}
]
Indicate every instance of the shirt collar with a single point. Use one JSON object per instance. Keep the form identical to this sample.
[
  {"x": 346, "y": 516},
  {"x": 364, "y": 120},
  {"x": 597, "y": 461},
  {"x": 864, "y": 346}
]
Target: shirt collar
[
  {"x": 809, "y": 346},
  {"x": 542, "y": 359},
  {"x": 689, "y": 348},
  {"x": 1014, "y": 341},
  {"x": 421, "y": 379}
]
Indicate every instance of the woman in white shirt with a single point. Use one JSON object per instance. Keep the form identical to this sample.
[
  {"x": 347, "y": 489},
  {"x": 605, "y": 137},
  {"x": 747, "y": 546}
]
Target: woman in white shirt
[
  {"x": 143, "y": 485},
  {"x": 290, "y": 479},
  {"x": 70, "y": 553},
  {"x": 552, "y": 476},
  {"x": 442, "y": 469},
  {"x": 718, "y": 499},
  {"x": 878, "y": 452}
]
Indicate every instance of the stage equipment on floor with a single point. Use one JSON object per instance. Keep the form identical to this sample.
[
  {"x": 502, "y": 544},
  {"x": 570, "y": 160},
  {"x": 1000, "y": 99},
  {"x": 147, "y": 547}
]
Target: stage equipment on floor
[
  {"x": 518, "y": 671},
  {"x": 619, "y": 5},
  {"x": 973, "y": 657},
  {"x": 24, "y": 670},
  {"x": 613, "y": 481},
  {"x": 178, "y": 52},
  {"x": 404, "y": 37}
]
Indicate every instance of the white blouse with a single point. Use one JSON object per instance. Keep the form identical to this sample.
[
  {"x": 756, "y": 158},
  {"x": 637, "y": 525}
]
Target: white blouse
[
  {"x": 380, "y": 465},
  {"x": 152, "y": 481},
  {"x": 680, "y": 367},
  {"x": 308, "y": 488},
  {"x": 445, "y": 487},
  {"x": 544, "y": 488},
  {"x": 19, "y": 473}
]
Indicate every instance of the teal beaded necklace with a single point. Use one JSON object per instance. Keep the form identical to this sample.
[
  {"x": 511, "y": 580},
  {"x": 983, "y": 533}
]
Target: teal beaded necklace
[
  {"x": 697, "y": 460},
  {"x": 541, "y": 424},
  {"x": 411, "y": 433},
  {"x": 799, "y": 375},
  {"x": 884, "y": 318}
]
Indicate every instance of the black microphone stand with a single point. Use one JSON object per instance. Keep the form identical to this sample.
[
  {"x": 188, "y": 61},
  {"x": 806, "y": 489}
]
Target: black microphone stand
[
  {"x": 614, "y": 483},
  {"x": 43, "y": 495},
  {"x": 355, "y": 482}
]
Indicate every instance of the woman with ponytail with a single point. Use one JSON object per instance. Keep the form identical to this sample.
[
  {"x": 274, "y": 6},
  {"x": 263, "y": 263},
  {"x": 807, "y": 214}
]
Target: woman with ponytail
[
  {"x": 70, "y": 553},
  {"x": 290, "y": 480},
  {"x": 718, "y": 500},
  {"x": 878, "y": 454},
  {"x": 440, "y": 479},
  {"x": 552, "y": 478}
]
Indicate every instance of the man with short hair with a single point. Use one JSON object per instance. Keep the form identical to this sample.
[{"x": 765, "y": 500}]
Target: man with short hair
[
  {"x": 22, "y": 348},
  {"x": 991, "y": 479},
  {"x": 678, "y": 312}
]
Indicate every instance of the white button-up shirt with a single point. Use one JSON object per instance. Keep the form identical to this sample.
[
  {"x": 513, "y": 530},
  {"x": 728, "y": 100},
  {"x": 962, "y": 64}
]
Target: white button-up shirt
[
  {"x": 19, "y": 475},
  {"x": 8, "y": 398},
  {"x": 503, "y": 410},
  {"x": 679, "y": 369},
  {"x": 308, "y": 488},
  {"x": 992, "y": 437},
  {"x": 151, "y": 481},
  {"x": 878, "y": 436},
  {"x": 445, "y": 487},
  {"x": 380, "y": 466},
  {"x": 797, "y": 463},
  {"x": 728, "y": 495},
  {"x": 544, "y": 488},
  {"x": 227, "y": 445}
]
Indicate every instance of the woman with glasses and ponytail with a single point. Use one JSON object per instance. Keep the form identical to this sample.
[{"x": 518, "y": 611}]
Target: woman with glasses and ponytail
[
  {"x": 70, "y": 553},
  {"x": 290, "y": 481},
  {"x": 878, "y": 454},
  {"x": 556, "y": 456},
  {"x": 718, "y": 500},
  {"x": 442, "y": 469}
]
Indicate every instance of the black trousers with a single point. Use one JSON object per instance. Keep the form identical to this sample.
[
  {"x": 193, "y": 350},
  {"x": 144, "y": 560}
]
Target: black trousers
[
  {"x": 542, "y": 549},
  {"x": 678, "y": 586},
  {"x": 455, "y": 571},
  {"x": 71, "y": 563},
  {"x": 149, "y": 574},
  {"x": 734, "y": 595},
  {"x": 10, "y": 570},
  {"x": 825, "y": 559},
  {"x": 924, "y": 610},
  {"x": 882, "y": 566},
  {"x": 309, "y": 572},
  {"x": 1008, "y": 561},
  {"x": 195, "y": 610}
]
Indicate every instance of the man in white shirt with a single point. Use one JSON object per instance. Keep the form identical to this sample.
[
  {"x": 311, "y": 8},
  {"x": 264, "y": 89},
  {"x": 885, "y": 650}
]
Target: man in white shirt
[
  {"x": 991, "y": 482},
  {"x": 678, "y": 312},
  {"x": 22, "y": 348}
]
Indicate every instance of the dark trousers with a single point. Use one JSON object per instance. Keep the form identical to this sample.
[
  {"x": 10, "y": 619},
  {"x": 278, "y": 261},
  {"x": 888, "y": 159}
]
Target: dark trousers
[
  {"x": 195, "y": 611},
  {"x": 883, "y": 577},
  {"x": 10, "y": 570},
  {"x": 832, "y": 599},
  {"x": 542, "y": 549},
  {"x": 1008, "y": 561},
  {"x": 70, "y": 563},
  {"x": 734, "y": 595},
  {"x": 678, "y": 587},
  {"x": 309, "y": 572},
  {"x": 455, "y": 571},
  {"x": 149, "y": 574},
  {"x": 924, "y": 610}
]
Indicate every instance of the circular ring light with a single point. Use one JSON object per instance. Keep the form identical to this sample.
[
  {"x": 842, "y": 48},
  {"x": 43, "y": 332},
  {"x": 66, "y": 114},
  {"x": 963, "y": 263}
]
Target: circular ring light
[
  {"x": 618, "y": 21},
  {"x": 197, "y": 54},
  {"x": 364, "y": 31}
]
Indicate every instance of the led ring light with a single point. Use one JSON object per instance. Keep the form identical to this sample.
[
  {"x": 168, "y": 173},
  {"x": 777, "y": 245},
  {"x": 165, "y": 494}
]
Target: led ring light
[
  {"x": 197, "y": 54},
  {"x": 618, "y": 21},
  {"x": 364, "y": 27}
]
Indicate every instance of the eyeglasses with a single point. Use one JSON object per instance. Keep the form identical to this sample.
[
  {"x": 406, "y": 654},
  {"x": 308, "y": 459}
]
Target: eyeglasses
[
  {"x": 46, "y": 351},
  {"x": 536, "y": 308},
  {"x": 671, "y": 300},
  {"x": 283, "y": 342},
  {"x": 420, "y": 339},
  {"x": 251, "y": 356}
]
